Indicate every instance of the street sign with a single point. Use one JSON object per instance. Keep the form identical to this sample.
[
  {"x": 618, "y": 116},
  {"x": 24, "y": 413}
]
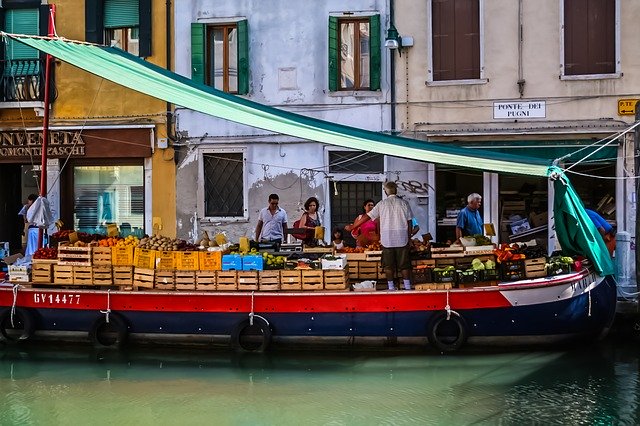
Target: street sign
[{"x": 627, "y": 106}]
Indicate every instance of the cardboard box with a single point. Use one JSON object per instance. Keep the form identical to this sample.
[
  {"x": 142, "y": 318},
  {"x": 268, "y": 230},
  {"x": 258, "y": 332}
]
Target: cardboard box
[
  {"x": 520, "y": 226},
  {"x": 339, "y": 263},
  {"x": 539, "y": 219}
]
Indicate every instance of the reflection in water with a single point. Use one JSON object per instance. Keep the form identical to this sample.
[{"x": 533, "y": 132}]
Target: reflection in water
[{"x": 597, "y": 384}]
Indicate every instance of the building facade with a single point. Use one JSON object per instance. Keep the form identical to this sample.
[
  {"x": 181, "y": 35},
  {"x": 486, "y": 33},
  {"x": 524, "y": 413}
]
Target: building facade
[
  {"x": 109, "y": 157},
  {"x": 320, "y": 59}
]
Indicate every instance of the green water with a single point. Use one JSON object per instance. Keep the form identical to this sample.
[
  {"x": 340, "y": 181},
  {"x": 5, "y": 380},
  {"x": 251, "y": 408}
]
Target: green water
[{"x": 589, "y": 385}]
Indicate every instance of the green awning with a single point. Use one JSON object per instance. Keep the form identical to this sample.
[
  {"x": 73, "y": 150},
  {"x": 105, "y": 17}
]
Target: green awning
[
  {"x": 573, "y": 150},
  {"x": 130, "y": 71}
]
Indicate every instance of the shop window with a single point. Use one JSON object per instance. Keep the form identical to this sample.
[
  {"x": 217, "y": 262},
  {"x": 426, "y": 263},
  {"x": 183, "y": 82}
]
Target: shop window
[
  {"x": 455, "y": 40},
  {"x": 220, "y": 56},
  {"x": 589, "y": 37},
  {"x": 109, "y": 194},
  {"x": 224, "y": 184},
  {"x": 125, "y": 24},
  {"x": 354, "y": 53}
]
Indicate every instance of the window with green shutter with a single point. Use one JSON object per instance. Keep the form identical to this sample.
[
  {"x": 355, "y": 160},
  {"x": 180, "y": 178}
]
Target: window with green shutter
[
  {"x": 220, "y": 56},
  {"x": 121, "y": 24},
  {"x": 21, "y": 21},
  {"x": 354, "y": 53}
]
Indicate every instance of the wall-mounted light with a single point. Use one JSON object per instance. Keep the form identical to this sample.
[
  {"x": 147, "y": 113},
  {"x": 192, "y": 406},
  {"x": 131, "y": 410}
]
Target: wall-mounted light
[{"x": 395, "y": 42}]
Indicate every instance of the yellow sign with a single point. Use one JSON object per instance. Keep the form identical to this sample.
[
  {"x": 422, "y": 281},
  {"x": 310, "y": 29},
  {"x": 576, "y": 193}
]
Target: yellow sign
[{"x": 627, "y": 106}]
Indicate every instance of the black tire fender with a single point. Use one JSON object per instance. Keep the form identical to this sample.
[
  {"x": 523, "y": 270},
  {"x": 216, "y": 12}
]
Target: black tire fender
[
  {"x": 112, "y": 334},
  {"x": 447, "y": 335},
  {"x": 23, "y": 320},
  {"x": 260, "y": 332}
]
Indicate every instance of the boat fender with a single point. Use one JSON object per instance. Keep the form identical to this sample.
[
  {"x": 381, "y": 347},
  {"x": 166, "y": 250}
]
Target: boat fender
[
  {"x": 22, "y": 328},
  {"x": 251, "y": 338},
  {"x": 112, "y": 334},
  {"x": 447, "y": 334}
]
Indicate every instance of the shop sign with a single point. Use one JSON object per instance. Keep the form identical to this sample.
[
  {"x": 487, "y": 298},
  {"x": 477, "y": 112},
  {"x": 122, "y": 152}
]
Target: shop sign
[
  {"x": 29, "y": 144},
  {"x": 531, "y": 109}
]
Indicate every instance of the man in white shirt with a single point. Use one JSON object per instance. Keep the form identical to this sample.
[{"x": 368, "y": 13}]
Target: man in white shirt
[
  {"x": 395, "y": 232},
  {"x": 272, "y": 222}
]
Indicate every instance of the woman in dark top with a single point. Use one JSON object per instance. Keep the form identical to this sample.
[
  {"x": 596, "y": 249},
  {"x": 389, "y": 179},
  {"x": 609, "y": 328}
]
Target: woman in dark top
[{"x": 309, "y": 220}]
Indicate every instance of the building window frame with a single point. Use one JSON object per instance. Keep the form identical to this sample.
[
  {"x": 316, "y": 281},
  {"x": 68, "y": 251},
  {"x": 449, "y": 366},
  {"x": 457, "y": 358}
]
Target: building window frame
[
  {"x": 618, "y": 68},
  {"x": 430, "y": 62},
  {"x": 201, "y": 208}
]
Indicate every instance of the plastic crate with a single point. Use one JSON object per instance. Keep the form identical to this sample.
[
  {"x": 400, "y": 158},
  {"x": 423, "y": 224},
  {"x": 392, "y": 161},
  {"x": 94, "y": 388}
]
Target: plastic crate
[
  {"x": 489, "y": 275},
  {"x": 232, "y": 262},
  {"x": 251, "y": 262},
  {"x": 447, "y": 276},
  {"x": 559, "y": 269},
  {"x": 421, "y": 275},
  {"x": 468, "y": 276}
]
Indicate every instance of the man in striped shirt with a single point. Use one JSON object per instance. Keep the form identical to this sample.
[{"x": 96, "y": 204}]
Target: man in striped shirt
[{"x": 395, "y": 232}]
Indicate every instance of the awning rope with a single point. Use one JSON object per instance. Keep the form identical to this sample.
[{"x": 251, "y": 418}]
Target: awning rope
[
  {"x": 13, "y": 305},
  {"x": 108, "y": 311}
]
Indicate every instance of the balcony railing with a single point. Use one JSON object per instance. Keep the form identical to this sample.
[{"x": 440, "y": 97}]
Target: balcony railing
[{"x": 22, "y": 80}]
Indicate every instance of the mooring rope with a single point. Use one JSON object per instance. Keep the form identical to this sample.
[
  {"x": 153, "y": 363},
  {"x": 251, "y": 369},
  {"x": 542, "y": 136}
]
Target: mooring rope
[
  {"x": 13, "y": 305},
  {"x": 589, "y": 292},
  {"x": 252, "y": 314},
  {"x": 108, "y": 311}
]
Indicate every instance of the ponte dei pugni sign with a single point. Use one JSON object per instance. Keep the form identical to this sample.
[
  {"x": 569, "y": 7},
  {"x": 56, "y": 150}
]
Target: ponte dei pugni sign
[
  {"x": 515, "y": 110},
  {"x": 20, "y": 144}
]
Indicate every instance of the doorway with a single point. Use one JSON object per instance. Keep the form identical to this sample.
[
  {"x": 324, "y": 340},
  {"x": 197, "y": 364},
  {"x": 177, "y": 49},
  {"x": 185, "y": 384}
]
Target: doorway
[{"x": 346, "y": 204}]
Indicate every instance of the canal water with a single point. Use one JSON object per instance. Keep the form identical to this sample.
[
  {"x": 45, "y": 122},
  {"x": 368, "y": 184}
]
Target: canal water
[{"x": 595, "y": 384}]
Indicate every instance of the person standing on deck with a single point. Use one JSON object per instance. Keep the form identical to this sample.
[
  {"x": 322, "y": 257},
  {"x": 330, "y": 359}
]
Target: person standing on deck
[
  {"x": 469, "y": 219},
  {"x": 272, "y": 222},
  {"x": 395, "y": 232}
]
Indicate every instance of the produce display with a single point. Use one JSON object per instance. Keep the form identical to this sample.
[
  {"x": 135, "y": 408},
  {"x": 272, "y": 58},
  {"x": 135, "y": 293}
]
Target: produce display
[
  {"x": 158, "y": 242},
  {"x": 46, "y": 253}
]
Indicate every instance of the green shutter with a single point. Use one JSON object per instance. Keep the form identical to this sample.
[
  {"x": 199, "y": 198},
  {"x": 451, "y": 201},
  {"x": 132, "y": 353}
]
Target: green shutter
[
  {"x": 243, "y": 57},
  {"x": 333, "y": 53},
  {"x": 197, "y": 52},
  {"x": 375, "y": 52},
  {"x": 121, "y": 13},
  {"x": 21, "y": 21}
]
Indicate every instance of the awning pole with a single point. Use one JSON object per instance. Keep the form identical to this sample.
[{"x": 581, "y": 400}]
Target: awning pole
[{"x": 45, "y": 120}]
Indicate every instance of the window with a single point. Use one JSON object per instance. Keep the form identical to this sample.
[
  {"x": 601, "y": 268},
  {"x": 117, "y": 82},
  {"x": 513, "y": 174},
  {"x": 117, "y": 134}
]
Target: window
[
  {"x": 355, "y": 162},
  {"x": 354, "y": 53},
  {"x": 220, "y": 56},
  {"x": 109, "y": 194},
  {"x": 125, "y": 24},
  {"x": 589, "y": 37},
  {"x": 223, "y": 184},
  {"x": 455, "y": 40}
]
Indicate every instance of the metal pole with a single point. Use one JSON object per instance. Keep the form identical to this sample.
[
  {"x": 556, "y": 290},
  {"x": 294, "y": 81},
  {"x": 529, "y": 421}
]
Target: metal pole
[
  {"x": 636, "y": 162},
  {"x": 45, "y": 121}
]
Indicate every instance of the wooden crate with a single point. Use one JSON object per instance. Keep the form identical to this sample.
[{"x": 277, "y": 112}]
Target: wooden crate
[
  {"x": 101, "y": 256},
  {"x": 248, "y": 280},
  {"x": 63, "y": 274},
  {"x": 354, "y": 269},
  {"x": 42, "y": 270},
  {"x": 102, "y": 275},
  {"x": 83, "y": 275},
  {"x": 291, "y": 280},
  {"x": 368, "y": 270},
  {"x": 69, "y": 255},
  {"x": 144, "y": 258},
  {"x": 433, "y": 286},
  {"x": 478, "y": 284},
  {"x": 535, "y": 268},
  {"x": 143, "y": 278},
  {"x": 206, "y": 280},
  {"x": 356, "y": 256},
  {"x": 122, "y": 256},
  {"x": 185, "y": 280},
  {"x": 336, "y": 279},
  {"x": 123, "y": 276},
  {"x": 165, "y": 260},
  {"x": 226, "y": 280},
  {"x": 165, "y": 279},
  {"x": 373, "y": 255},
  {"x": 312, "y": 279},
  {"x": 446, "y": 261},
  {"x": 269, "y": 280}
]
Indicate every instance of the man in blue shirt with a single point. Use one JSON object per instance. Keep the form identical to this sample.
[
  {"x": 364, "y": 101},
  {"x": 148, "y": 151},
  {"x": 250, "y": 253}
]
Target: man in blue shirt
[
  {"x": 604, "y": 228},
  {"x": 469, "y": 219}
]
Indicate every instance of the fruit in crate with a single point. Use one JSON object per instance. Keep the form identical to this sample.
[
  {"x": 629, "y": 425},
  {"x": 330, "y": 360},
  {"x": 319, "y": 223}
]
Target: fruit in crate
[
  {"x": 273, "y": 262},
  {"x": 109, "y": 242},
  {"x": 129, "y": 240},
  {"x": 158, "y": 242},
  {"x": 46, "y": 253}
]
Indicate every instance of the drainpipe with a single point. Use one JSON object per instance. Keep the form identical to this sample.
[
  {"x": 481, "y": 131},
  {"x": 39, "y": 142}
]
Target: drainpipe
[
  {"x": 170, "y": 135},
  {"x": 520, "y": 42},
  {"x": 392, "y": 75},
  {"x": 636, "y": 146}
]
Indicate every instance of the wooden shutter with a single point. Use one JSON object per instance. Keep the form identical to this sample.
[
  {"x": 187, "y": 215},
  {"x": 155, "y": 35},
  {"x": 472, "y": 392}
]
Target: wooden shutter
[
  {"x": 94, "y": 18},
  {"x": 197, "y": 52},
  {"x": 333, "y": 53},
  {"x": 589, "y": 37},
  {"x": 456, "y": 39},
  {"x": 121, "y": 13},
  {"x": 374, "y": 52},
  {"x": 44, "y": 19},
  {"x": 144, "y": 48},
  {"x": 243, "y": 57}
]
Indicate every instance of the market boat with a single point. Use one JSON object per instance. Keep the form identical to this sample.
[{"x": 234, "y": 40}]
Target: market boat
[{"x": 542, "y": 310}]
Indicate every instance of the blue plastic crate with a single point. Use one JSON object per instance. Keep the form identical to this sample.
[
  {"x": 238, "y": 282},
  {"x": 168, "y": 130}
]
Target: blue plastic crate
[
  {"x": 252, "y": 262},
  {"x": 231, "y": 262}
]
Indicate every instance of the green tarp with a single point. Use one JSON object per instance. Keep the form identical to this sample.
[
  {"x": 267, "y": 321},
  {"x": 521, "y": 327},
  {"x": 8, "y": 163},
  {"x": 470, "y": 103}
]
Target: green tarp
[
  {"x": 132, "y": 72},
  {"x": 576, "y": 233}
]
